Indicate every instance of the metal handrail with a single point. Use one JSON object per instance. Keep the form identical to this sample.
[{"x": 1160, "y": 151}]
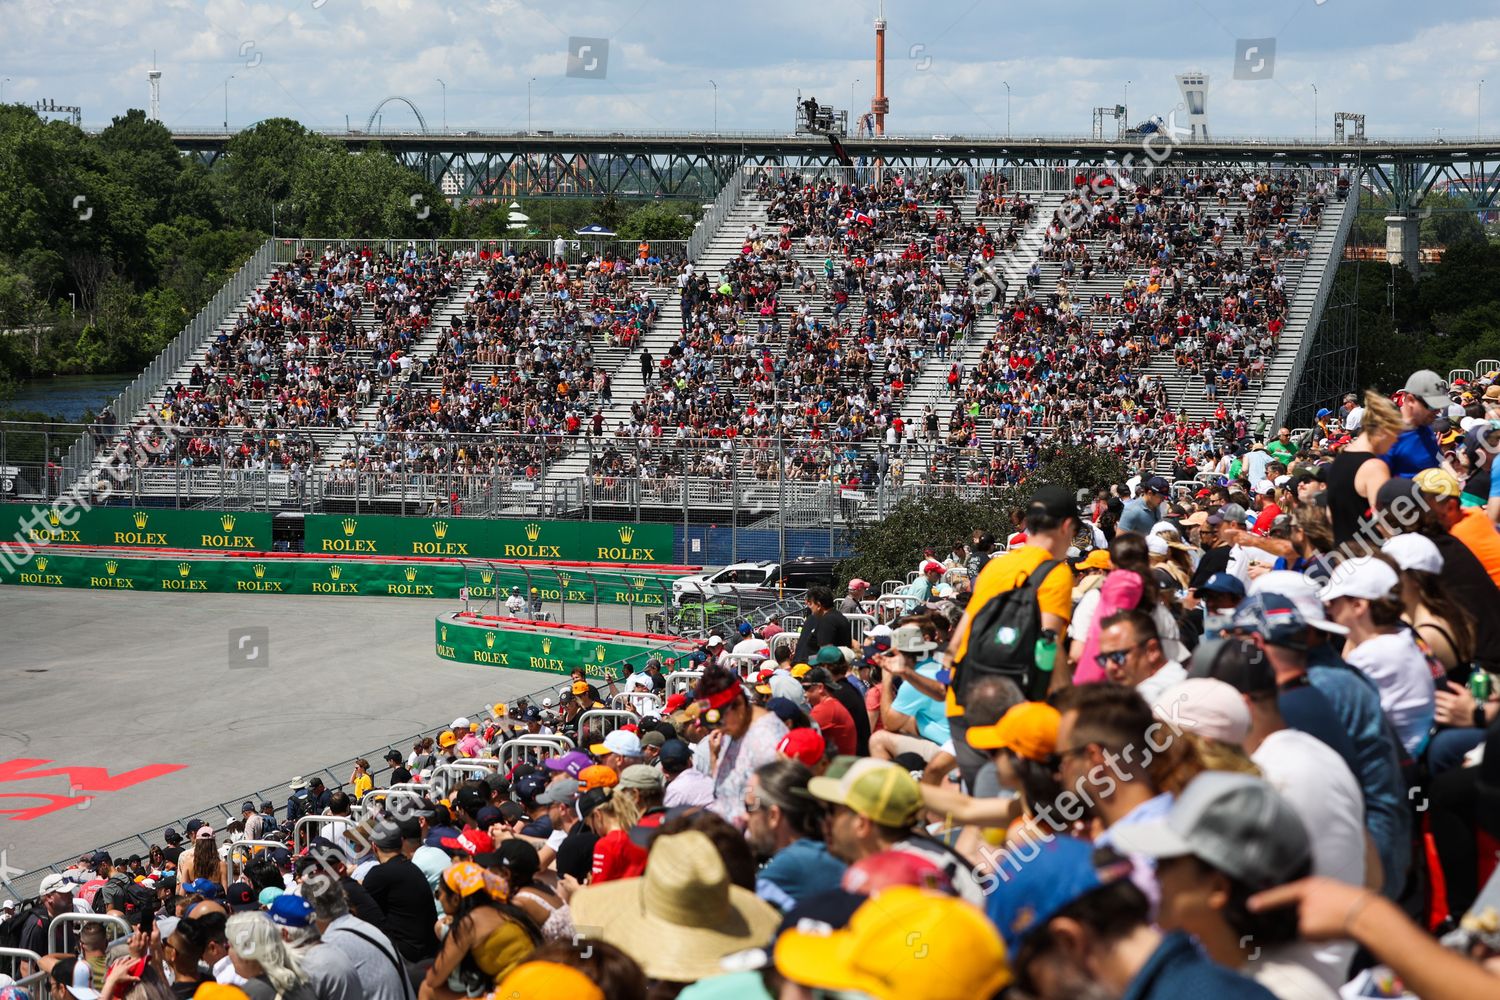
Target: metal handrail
[
  {"x": 512, "y": 751},
  {"x": 54, "y": 937},
  {"x": 236, "y": 847}
]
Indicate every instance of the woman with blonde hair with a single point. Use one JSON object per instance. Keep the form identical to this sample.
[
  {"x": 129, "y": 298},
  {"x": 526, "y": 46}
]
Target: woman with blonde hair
[
  {"x": 1356, "y": 474},
  {"x": 614, "y": 811},
  {"x": 260, "y": 956}
]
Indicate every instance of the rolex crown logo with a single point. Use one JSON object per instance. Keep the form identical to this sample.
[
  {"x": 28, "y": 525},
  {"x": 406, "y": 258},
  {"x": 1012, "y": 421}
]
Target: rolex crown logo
[
  {"x": 349, "y": 525},
  {"x": 547, "y": 644},
  {"x": 183, "y": 569},
  {"x": 411, "y": 574},
  {"x": 141, "y": 517},
  {"x": 639, "y": 583},
  {"x": 440, "y": 529},
  {"x": 53, "y": 519},
  {"x": 489, "y": 640},
  {"x": 626, "y": 534},
  {"x": 599, "y": 652},
  {"x": 334, "y": 572},
  {"x": 41, "y": 563},
  {"x": 443, "y": 634},
  {"x": 533, "y": 531},
  {"x": 110, "y": 567},
  {"x": 227, "y": 521},
  {"x": 564, "y": 579},
  {"x": 487, "y": 577},
  {"x": 260, "y": 570}
]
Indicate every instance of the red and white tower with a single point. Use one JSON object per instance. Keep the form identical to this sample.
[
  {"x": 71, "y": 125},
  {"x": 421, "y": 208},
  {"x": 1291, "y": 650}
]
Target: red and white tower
[{"x": 880, "y": 105}]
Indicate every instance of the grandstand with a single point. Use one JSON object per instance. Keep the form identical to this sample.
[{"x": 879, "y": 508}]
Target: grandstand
[{"x": 841, "y": 338}]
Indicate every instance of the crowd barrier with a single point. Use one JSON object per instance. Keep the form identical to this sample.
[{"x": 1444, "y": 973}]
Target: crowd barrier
[{"x": 520, "y": 645}]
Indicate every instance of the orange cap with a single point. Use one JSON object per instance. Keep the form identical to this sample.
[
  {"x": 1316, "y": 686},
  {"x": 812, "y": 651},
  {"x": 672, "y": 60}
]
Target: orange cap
[
  {"x": 598, "y": 776},
  {"x": 546, "y": 980},
  {"x": 1028, "y": 729},
  {"x": 1097, "y": 559}
]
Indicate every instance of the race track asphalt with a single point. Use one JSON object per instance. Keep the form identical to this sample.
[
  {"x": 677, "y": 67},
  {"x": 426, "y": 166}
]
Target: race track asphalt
[{"x": 120, "y": 681}]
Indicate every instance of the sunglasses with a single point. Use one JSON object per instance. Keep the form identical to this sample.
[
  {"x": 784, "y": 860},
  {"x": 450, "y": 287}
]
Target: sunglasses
[{"x": 1119, "y": 656}]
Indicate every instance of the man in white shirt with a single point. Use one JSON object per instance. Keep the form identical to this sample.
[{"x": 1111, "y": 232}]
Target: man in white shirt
[
  {"x": 750, "y": 644},
  {"x": 1130, "y": 651}
]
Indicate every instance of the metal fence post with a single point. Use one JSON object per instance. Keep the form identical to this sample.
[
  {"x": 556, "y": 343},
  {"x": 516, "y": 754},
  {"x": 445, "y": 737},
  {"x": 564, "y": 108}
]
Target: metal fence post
[{"x": 734, "y": 505}]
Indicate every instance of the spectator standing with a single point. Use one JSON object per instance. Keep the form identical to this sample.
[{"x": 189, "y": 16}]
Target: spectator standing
[
  {"x": 400, "y": 890},
  {"x": 825, "y": 625}
]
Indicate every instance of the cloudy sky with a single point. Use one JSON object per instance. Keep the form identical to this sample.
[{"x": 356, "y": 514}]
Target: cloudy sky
[{"x": 1412, "y": 68}]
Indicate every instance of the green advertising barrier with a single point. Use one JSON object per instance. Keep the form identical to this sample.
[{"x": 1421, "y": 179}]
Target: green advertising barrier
[
  {"x": 316, "y": 576},
  {"x": 573, "y": 586},
  {"x": 126, "y": 527},
  {"x": 556, "y": 651},
  {"x": 481, "y": 538}
]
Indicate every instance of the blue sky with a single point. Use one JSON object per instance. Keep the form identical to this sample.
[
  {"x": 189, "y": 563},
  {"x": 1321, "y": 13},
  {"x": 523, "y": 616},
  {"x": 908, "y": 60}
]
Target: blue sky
[{"x": 1411, "y": 68}]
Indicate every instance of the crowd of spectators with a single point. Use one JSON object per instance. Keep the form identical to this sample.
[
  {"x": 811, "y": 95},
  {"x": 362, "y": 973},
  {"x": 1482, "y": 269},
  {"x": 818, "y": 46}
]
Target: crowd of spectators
[{"x": 1237, "y": 740}]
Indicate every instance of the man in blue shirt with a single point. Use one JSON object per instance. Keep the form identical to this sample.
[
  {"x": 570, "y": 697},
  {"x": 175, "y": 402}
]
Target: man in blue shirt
[
  {"x": 783, "y": 825},
  {"x": 1422, "y": 400},
  {"x": 1074, "y": 922},
  {"x": 1141, "y": 514}
]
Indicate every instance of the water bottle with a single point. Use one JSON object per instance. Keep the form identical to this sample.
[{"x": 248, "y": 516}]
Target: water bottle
[{"x": 1046, "y": 650}]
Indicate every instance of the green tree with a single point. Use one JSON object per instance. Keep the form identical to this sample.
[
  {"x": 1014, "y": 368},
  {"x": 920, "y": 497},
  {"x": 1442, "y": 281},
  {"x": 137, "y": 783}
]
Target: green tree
[{"x": 656, "y": 221}]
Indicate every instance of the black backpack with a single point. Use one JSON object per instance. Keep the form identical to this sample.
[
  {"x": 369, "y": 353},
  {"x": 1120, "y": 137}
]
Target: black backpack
[
  {"x": 13, "y": 925},
  {"x": 1003, "y": 636}
]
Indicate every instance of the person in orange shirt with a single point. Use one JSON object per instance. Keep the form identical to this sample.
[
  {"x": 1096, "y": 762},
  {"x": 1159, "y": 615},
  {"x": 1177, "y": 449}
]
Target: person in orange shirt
[{"x": 1470, "y": 525}]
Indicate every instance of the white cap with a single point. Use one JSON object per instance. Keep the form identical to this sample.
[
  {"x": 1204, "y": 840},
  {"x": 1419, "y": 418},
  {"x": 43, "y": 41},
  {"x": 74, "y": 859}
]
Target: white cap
[
  {"x": 1160, "y": 527},
  {"x": 714, "y": 640},
  {"x": 1467, "y": 424},
  {"x": 1365, "y": 577},
  {"x": 1455, "y": 411},
  {"x": 57, "y": 882},
  {"x": 1302, "y": 592},
  {"x": 1414, "y": 552},
  {"x": 1264, "y": 486},
  {"x": 1205, "y": 706},
  {"x": 166, "y": 925},
  {"x": 878, "y": 632},
  {"x": 1283, "y": 480},
  {"x": 1156, "y": 545},
  {"x": 462, "y": 722}
]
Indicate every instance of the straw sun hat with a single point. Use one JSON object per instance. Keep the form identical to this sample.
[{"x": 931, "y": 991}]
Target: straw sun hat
[{"x": 680, "y": 918}]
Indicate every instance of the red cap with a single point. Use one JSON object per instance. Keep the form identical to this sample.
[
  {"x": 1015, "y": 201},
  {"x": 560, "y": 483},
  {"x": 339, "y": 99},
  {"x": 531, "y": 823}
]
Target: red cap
[
  {"x": 932, "y": 566},
  {"x": 472, "y": 841},
  {"x": 631, "y": 727},
  {"x": 676, "y": 702},
  {"x": 881, "y": 871},
  {"x": 763, "y": 676},
  {"x": 806, "y": 745}
]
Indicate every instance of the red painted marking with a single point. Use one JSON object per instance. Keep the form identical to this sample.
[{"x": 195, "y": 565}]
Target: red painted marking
[
  {"x": 53, "y": 803},
  {"x": 83, "y": 779}
]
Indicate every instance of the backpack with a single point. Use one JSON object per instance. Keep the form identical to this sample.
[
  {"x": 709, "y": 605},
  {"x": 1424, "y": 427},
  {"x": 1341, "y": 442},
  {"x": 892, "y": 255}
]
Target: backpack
[
  {"x": 1003, "y": 636},
  {"x": 13, "y": 925}
]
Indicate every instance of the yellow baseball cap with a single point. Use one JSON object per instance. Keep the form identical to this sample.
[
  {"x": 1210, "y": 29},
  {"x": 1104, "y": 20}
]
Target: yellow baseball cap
[
  {"x": 1438, "y": 482},
  {"x": 1028, "y": 729},
  {"x": 801, "y": 668},
  {"x": 908, "y": 942},
  {"x": 878, "y": 790},
  {"x": 446, "y": 738},
  {"x": 580, "y": 687}
]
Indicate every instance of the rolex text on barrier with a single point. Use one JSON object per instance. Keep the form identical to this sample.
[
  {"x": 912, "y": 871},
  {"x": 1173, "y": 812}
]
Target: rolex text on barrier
[
  {"x": 128, "y": 527},
  {"x": 482, "y": 538},
  {"x": 555, "y": 650},
  {"x": 351, "y": 577}
]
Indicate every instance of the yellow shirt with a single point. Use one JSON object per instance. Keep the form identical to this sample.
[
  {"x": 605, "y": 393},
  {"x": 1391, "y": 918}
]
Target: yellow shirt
[
  {"x": 1007, "y": 572},
  {"x": 362, "y": 784}
]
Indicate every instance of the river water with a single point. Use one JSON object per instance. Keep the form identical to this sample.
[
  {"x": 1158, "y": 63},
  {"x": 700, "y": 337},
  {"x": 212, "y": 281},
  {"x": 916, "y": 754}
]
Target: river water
[{"x": 69, "y": 397}]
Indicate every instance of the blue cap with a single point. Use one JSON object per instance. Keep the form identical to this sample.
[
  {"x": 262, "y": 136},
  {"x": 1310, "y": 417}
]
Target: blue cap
[
  {"x": 1030, "y": 895},
  {"x": 1223, "y": 583},
  {"x": 436, "y": 834},
  {"x": 783, "y": 708},
  {"x": 530, "y": 787},
  {"x": 1324, "y": 412},
  {"x": 1156, "y": 484},
  {"x": 1274, "y": 617},
  {"x": 288, "y": 910},
  {"x": 745, "y": 628},
  {"x": 201, "y": 887}
]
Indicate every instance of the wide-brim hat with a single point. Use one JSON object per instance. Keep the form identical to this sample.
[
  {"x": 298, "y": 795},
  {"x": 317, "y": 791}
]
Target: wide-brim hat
[{"x": 682, "y": 917}]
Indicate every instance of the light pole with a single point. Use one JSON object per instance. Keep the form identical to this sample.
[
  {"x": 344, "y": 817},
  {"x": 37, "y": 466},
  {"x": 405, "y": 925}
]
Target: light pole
[
  {"x": 1007, "y": 109},
  {"x": 851, "y": 96},
  {"x": 1479, "y": 112},
  {"x": 1126, "y": 105},
  {"x": 226, "y": 101},
  {"x": 716, "y": 106},
  {"x": 528, "y": 104},
  {"x": 445, "y": 102},
  {"x": 1314, "y": 86}
]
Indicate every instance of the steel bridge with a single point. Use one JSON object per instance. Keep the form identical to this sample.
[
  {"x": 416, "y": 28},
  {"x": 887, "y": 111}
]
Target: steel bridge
[{"x": 697, "y": 164}]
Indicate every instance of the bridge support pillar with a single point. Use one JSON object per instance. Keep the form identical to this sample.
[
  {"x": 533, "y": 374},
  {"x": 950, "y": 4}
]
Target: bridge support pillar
[{"x": 1402, "y": 243}]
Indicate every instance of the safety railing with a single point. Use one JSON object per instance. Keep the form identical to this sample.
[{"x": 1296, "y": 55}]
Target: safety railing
[
  {"x": 241, "y": 852},
  {"x": 57, "y": 929},
  {"x": 533, "y": 747},
  {"x": 10, "y": 963}
]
